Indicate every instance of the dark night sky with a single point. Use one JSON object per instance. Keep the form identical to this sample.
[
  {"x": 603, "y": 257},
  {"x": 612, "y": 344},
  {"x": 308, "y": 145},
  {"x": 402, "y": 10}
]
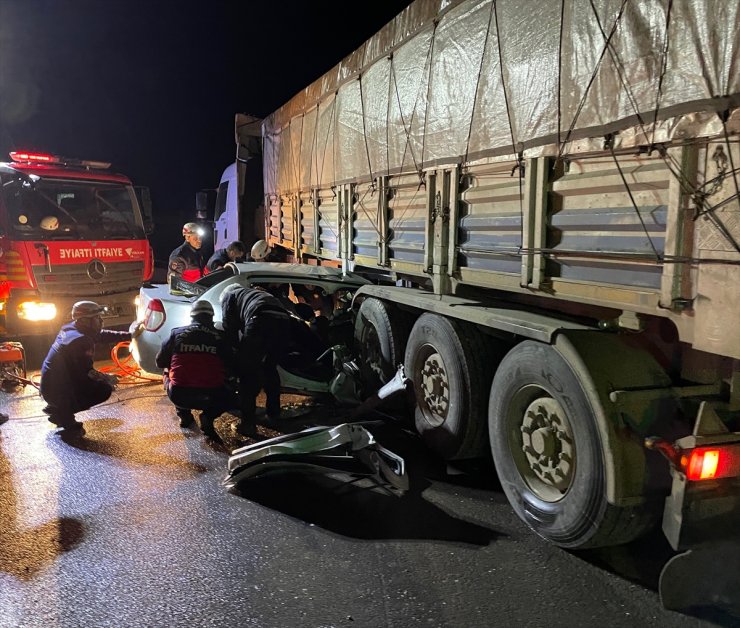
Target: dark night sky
[{"x": 153, "y": 85}]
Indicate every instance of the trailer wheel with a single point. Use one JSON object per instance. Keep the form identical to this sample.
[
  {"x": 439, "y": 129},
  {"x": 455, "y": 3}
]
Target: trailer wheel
[
  {"x": 381, "y": 331},
  {"x": 548, "y": 452},
  {"x": 448, "y": 364}
]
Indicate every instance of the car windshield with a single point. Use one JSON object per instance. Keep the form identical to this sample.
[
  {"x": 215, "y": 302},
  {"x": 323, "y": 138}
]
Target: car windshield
[{"x": 59, "y": 209}]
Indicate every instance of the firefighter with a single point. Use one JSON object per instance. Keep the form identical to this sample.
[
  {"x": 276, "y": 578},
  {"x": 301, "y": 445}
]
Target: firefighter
[
  {"x": 187, "y": 260},
  {"x": 69, "y": 383},
  {"x": 235, "y": 251},
  {"x": 260, "y": 252},
  {"x": 198, "y": 361},
  {"x": 259, "y": 324}
]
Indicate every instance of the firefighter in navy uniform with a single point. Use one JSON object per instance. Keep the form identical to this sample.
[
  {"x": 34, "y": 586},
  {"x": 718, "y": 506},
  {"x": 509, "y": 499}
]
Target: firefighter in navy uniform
[
  {"x": 198, "y": 361},
  {"x": 69, "y": 383},
  {"x": 259, "y": 324},
  {"x": 187, "y": 260}
]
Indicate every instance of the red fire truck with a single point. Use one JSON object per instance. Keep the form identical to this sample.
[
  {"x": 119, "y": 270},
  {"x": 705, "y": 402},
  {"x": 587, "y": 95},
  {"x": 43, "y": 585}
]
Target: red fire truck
[{"x": 69, "y": 230}]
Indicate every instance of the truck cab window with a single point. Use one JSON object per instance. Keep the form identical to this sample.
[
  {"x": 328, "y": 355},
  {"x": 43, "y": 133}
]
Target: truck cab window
[
  {"x": 55, "y": 209},
  {"x": 223, "y": 190}
]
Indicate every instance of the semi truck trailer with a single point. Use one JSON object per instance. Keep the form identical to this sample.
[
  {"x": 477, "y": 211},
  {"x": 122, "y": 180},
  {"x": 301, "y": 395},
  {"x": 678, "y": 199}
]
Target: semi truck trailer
[{"x": 546, "y": 198}]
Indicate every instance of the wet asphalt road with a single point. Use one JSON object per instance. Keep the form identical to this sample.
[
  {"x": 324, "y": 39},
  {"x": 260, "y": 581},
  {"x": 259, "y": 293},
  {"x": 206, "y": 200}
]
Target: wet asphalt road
[{"x": 130, "y": 526}]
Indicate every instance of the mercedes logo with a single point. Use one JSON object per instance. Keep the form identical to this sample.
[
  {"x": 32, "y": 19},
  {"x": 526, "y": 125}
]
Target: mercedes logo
[{"x": 96, "y": 270}]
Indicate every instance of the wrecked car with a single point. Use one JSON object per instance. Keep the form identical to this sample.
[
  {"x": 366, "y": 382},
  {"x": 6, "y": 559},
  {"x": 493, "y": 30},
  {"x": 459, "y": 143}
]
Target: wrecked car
[{"x": 321, "y": 296}]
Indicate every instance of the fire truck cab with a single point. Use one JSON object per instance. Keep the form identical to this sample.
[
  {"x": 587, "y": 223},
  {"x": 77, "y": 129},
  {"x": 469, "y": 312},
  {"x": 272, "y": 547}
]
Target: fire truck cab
[{"x": 69, "y": 230}]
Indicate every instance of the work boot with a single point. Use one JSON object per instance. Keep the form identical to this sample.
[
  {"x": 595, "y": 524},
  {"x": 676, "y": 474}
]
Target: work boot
[
  {"x": 186, "y": 417},
  {"x": 247, "y": 429},
  {"x": 273, "y": 412},
  {"x": 66, "y": 422},
  {"x": 206, "y": 426}
]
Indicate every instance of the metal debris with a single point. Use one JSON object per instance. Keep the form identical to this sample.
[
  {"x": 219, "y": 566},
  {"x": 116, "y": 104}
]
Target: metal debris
[{"x": 347, "y": 448}]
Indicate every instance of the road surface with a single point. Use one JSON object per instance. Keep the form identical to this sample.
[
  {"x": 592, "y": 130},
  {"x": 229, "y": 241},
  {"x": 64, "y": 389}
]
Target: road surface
[{"x": 129, "y": 525}]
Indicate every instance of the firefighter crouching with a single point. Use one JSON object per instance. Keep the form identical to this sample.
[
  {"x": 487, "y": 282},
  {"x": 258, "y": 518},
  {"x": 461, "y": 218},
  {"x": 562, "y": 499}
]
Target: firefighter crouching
[
  {"x": 187, "y": 260},
  {"x": 69, "y": 383},
  {"x": 198, "y": 360}
]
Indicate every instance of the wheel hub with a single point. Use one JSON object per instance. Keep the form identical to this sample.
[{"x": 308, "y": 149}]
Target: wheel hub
[
  {"x": 548, "y": 447},
  {"x": 434, "y": 385}
]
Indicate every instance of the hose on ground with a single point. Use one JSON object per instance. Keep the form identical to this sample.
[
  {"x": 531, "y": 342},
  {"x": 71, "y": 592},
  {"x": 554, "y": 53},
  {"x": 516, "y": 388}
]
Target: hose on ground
[{"x": 125, "y": 368}]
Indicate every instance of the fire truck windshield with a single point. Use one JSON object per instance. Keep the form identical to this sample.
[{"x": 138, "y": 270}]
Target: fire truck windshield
[{"x": 60, "y": 209}]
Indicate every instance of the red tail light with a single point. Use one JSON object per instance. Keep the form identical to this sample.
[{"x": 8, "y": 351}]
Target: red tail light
[
  {"x": 712, "y": 463},
  {"x": 154, "y": 316}
]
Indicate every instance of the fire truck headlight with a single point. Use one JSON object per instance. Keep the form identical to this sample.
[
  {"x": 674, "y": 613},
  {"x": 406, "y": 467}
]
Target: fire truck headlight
[{"x": 37, "y": 311}]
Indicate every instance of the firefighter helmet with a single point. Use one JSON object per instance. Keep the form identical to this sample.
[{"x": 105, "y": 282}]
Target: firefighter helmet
[
  {"x": 201, "y": 308},
  {"x": 260, "y": 249},
  {"x": 86, "y": 309},
  {"x": 49, "y": 223},
  {"x": 191, "y": 228}
]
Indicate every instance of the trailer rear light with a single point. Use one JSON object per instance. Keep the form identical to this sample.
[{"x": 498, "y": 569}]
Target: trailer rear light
[
  {"x": 35, "y": 311},
  {"x": 712, "y": 463},
  {"x": 42, "y": 158},
  {"x": 154, "y": 316}
]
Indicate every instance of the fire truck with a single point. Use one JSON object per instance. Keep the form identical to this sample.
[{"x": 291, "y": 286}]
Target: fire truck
[{"x": 69, "y": 230}]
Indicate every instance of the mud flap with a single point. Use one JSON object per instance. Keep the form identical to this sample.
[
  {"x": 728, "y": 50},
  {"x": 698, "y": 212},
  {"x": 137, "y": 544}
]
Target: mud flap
[{"x": 706, "y": 576}]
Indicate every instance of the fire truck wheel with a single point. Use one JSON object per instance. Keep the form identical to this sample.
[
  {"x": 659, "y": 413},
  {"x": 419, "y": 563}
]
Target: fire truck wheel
[
  {"x": 547, "y": 448},
  {"x": 381, "y": 330},
  {"x": 450, "y": 364}
]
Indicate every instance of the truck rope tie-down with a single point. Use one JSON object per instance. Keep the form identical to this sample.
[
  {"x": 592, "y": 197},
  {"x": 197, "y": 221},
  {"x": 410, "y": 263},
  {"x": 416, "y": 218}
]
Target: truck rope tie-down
[
  {"x": 634, "y": 203},
  {"x": 594, "y": 74},
  {"x": 670, "y": 162}
]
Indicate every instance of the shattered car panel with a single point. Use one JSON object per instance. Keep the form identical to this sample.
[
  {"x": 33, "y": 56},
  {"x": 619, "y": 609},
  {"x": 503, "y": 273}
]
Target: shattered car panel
[{"x": 346, "y": 448}]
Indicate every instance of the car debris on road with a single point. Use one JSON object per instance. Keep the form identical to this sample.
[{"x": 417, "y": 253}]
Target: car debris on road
[{"x": 347, "y": 448}]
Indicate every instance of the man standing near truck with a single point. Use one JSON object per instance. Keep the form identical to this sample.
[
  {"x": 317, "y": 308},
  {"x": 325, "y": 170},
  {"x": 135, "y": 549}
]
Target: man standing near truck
[{"x": 187, "y": 260}]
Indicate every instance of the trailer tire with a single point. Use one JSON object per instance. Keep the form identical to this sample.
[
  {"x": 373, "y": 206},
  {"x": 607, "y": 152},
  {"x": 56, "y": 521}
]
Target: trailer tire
[
  {"x": 451, "y": 369},
  {"x": 548, "y": 453},
  {"x": 381, "y": 330}
]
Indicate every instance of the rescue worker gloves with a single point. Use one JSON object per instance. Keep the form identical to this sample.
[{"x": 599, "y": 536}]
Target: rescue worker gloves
[
  {"x": 136, "y": 329},
  {"x": 86, "y": 309},
  {"x": 201, "y": 308},
  {"x": 260, "y": 249},
  {"x": 105, "y": 378}
]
